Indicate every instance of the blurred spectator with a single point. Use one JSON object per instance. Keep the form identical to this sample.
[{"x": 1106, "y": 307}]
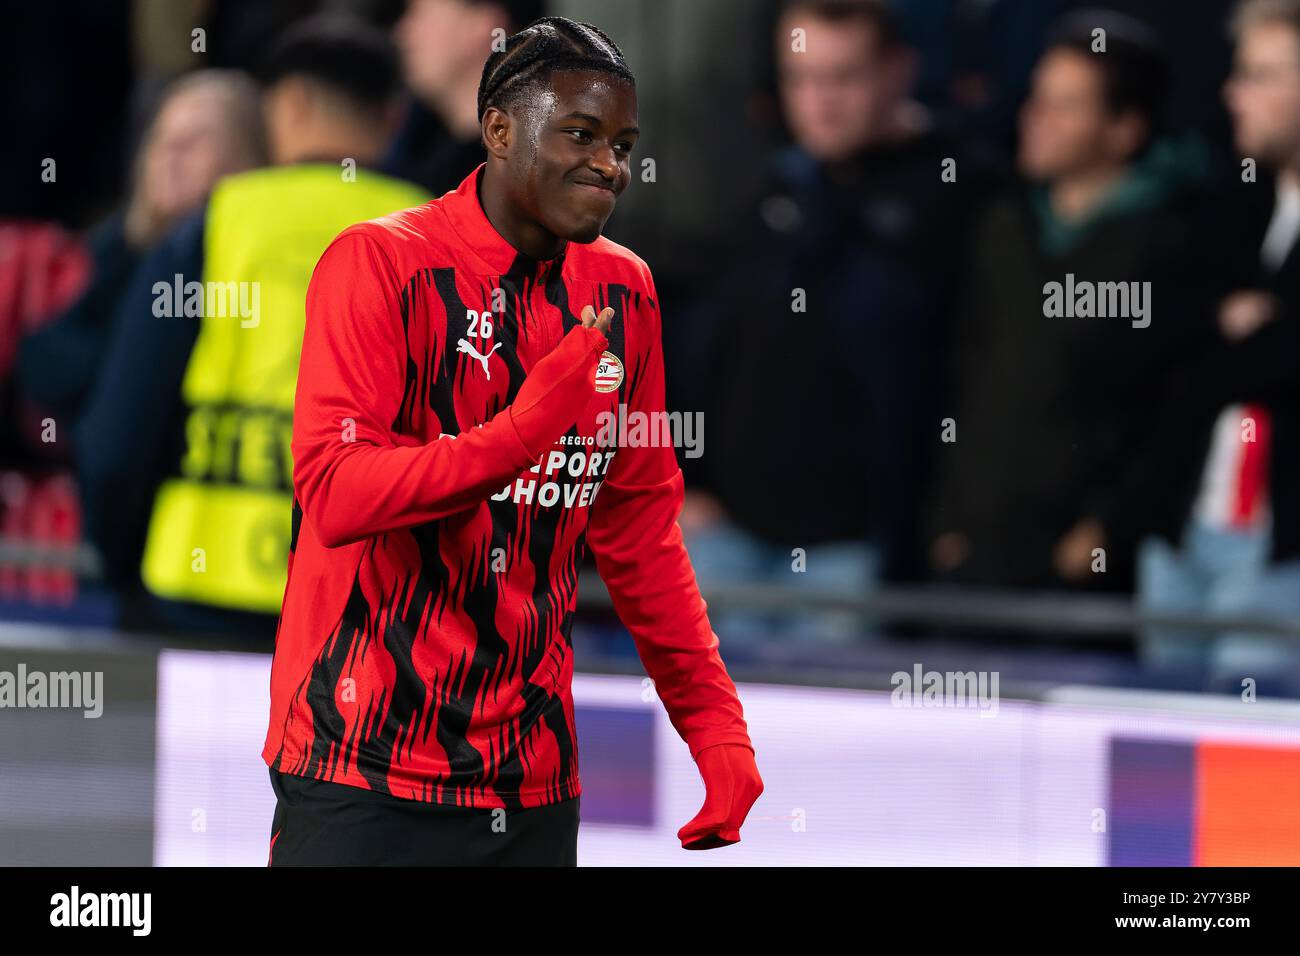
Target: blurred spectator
[
  {"x": 197, "y": 388},
  {"x": 1236, "y": 547},
  {"x": 1055, "y": 402},
  {"x": 818, "y": 365},
  {"x": 443, "y": 44},
  {"x": 979, "y": 54},
  {"x": 207, "y": 125}
]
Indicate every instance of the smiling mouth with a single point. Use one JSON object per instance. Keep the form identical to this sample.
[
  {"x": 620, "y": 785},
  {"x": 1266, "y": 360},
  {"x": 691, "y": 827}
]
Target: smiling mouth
[{"x": 597, "y": 189}]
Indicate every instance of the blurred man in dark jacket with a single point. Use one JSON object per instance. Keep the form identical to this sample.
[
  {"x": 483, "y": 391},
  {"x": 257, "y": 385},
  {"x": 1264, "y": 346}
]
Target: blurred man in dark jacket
[
  {"x": 1072, "y": 318},
  {"x": 1229, "y": 461},
  {"x": 818, "y": 380},
  {"x": 443, "y": 44}
]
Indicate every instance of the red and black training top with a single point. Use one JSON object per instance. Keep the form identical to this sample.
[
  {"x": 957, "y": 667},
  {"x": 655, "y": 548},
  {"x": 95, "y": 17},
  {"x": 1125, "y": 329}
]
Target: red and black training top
[{"x": 424, "y": 647}]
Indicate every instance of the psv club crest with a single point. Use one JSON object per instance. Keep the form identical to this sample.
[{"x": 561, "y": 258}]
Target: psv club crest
[{"x": 609, "y": 373}]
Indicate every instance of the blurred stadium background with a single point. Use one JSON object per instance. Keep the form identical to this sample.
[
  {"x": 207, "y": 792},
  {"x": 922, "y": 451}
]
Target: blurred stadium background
[{"x": 1102, "y": 551}]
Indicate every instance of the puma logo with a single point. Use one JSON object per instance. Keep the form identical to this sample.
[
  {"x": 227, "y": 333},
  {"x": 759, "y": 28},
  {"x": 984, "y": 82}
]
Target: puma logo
[{"x": 463, "y": 345}]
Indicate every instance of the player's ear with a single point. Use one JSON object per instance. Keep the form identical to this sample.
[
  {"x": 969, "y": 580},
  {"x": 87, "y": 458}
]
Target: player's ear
[{"x": 496, "y": 132}]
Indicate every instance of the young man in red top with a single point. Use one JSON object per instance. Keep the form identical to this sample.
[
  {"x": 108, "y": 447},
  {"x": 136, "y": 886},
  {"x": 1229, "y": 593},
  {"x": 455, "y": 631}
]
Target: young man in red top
[{"x": 452, "y": 463}]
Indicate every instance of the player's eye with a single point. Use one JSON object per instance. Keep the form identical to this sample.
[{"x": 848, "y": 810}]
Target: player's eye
[{"x": 581, "y": 134}]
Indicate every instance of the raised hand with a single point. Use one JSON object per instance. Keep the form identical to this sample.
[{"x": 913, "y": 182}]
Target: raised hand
[{"x": 559, "y": 386}]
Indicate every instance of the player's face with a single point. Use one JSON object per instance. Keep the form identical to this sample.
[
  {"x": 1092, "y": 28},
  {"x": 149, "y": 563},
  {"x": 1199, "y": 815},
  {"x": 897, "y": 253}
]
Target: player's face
[{"x": 576, "y": 158}]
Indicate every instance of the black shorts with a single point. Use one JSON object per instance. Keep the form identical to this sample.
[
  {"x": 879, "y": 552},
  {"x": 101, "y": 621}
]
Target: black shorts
[{"x": 319, "y": 823}]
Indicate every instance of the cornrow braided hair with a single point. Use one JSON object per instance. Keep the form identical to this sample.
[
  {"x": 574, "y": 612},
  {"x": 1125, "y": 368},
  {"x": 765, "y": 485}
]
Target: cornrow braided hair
[{"x": 546, "y": 46}]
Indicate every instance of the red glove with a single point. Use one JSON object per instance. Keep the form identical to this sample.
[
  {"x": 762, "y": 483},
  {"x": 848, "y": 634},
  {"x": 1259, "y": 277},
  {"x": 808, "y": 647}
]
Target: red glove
[
  {"x": 557, "y": 389},
  {"x": 731, "y": 785}
]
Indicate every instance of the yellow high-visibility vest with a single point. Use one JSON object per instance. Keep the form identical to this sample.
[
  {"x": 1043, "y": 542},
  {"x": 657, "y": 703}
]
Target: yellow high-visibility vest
[{"x": 221, "y": 524}]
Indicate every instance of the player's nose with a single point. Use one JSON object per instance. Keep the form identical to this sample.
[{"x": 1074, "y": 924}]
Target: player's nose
[{"x": 603, "y": 167}]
